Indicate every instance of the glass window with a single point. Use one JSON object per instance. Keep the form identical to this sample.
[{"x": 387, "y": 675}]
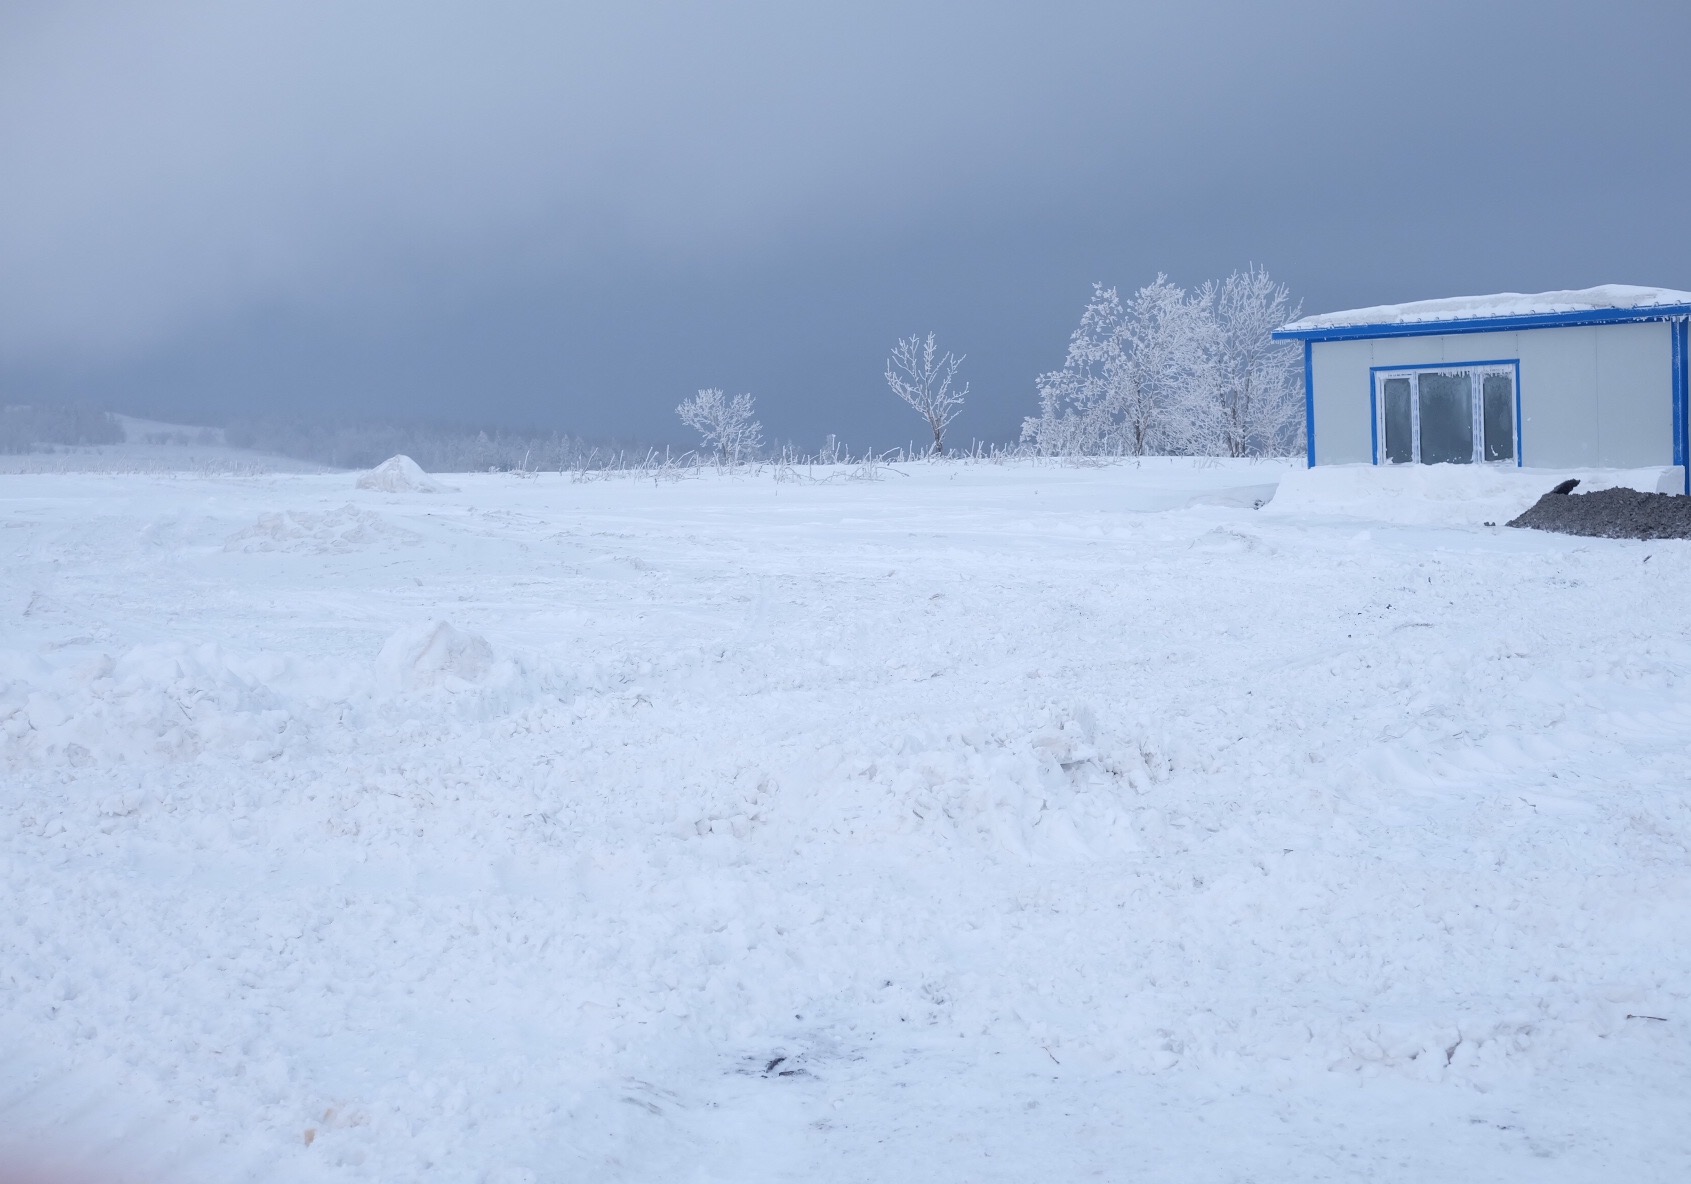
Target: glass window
[
  {"x": 1447, "y": 418},
  {"x": 1498, "y": 399},
  {"x": 1460, "y": 414},
  {"x": 1397, "y": 421}
]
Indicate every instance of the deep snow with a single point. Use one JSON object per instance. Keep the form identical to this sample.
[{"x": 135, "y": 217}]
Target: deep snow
[{"x": 977, "y": 823}]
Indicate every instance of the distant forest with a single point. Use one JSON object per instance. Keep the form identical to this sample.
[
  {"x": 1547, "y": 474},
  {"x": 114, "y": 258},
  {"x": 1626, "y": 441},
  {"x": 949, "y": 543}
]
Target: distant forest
[
  {"x": 438, "y": 449},
  {"x": 39, "y": 428}
]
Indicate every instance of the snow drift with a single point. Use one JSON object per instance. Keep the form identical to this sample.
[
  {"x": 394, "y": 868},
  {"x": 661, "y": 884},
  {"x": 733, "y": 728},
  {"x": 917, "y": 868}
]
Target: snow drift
[
  {"x": 329, "y": 532},
  {"x": 400, "y": 474},
  {"x": 1443, "y": 495},
  {"x": 431, "y": 655}
]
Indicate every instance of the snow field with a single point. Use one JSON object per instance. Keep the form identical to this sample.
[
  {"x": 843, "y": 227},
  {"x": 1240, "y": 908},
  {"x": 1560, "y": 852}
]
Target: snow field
[{"x": 982, "y": 822}]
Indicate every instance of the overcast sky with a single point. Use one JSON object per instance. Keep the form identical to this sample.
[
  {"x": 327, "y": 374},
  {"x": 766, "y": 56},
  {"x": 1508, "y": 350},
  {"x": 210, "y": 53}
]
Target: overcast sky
[{"x": 573, "y": 215}]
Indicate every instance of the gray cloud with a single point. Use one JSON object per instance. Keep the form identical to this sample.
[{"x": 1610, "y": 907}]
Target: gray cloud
[{"x": 574, "y": 214}]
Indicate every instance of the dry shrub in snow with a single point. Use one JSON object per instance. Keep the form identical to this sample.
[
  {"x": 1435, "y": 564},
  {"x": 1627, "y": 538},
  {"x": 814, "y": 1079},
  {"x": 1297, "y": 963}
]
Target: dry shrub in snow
[{"x": 923, "y": 378}]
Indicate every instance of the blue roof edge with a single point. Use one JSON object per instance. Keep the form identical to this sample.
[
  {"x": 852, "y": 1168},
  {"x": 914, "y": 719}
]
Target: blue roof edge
[{"x": 1541, "y": 320}]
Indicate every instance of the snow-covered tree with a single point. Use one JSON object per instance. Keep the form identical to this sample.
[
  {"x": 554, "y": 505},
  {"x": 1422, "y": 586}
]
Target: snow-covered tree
[
  {"x": 1125, "y": 385},
  {"x": 1175, "y": 372},
  {"x": 725, "y": 426},
  {"x": 922, "y": 377},
  {"x": 1257, "y": 381},
  {"x": 1079, "y": 404},
  {"x": 1165, "y": 338}
]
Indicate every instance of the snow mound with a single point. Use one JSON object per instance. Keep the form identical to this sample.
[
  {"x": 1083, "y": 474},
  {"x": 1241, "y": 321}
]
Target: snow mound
[
  {"x": 432, "y": 655},
  {"x": 154, "y": 702},
  {"x": 1058, "y": 793},
  {"x": 400, "y": 474},
  {"x": 333, "y": 532},
  {"x": 1444, "y": 495},
  {"x": 176, "y": 702}
]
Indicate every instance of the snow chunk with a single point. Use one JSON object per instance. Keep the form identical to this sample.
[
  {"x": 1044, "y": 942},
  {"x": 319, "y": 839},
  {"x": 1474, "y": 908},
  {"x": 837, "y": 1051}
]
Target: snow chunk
[
  {"x": 153, "y": 702},
  {"x": 400, "y": 474},
  {"x": 431, "y": 655},
  {"x": 1499, "y": 304},
  {"x": 1444, "y": 495}
]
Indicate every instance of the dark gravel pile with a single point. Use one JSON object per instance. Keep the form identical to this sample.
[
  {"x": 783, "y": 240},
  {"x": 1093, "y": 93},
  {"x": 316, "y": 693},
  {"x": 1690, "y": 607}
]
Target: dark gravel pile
[{"x": 1610, "y": 514}]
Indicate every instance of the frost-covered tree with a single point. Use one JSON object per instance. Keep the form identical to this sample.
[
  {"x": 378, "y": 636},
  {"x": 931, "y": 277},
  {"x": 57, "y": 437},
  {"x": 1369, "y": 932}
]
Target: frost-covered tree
[
  {"x": 1079, "y": 405},
  {"x": 1126, "y": 382},
  {"x": 1175, "y": 372},
  {"x": 1256, "y": 380},
  {"x": 922, "y": 377},
  {"x": 725, "y": 426},
  {"x": 1165, "y": 340}
]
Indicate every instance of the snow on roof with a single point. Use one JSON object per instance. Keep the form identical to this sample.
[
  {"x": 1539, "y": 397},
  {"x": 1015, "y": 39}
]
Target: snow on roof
[{"x": 1501, "y": 304}]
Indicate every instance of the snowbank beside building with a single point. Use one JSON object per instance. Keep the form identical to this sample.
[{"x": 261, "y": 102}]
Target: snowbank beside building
[{"x": 1444, "y": 495}]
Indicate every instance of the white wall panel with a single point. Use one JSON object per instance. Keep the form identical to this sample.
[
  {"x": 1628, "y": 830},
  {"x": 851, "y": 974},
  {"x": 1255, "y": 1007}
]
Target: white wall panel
[
  {"x": 1590, "y": 394},
  {"x": 1559, "y": 397},
  {"x": 1634, "y": 395},
  {"x": 1344, "y": 413}
]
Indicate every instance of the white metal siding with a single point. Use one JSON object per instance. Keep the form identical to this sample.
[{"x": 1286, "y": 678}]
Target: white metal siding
[
  {"x": 1590, "y": 394},
  {"x": 1559, "y": 397},
  {"x": 1634, "y": 395},
  {"x": 1343, "y": 401}
]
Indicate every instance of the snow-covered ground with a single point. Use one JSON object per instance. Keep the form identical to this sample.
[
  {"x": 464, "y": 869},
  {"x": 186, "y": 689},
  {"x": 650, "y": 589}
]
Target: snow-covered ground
[{"x": 977, "y": 823}]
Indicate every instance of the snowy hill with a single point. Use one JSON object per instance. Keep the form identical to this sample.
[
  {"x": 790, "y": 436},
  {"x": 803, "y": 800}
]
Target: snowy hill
[{"x": 152, "y": 446}]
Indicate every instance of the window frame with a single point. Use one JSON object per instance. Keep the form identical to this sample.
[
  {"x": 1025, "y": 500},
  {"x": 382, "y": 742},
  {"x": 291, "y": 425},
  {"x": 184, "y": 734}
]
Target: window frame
[{"x": 1477, "y": 371}]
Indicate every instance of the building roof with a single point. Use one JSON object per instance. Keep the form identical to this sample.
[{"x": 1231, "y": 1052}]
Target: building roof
[{"x": 1606, "y": 304}]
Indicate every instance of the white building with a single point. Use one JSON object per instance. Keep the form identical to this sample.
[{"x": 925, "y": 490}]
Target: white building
[{"x": 1594, "y": 378}]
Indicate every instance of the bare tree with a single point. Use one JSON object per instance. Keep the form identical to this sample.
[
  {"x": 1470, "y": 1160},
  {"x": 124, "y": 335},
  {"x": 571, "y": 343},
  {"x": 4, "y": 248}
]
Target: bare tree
[
  {"x": 725, "y": 426},
  {"x": 922, "y": 378}
]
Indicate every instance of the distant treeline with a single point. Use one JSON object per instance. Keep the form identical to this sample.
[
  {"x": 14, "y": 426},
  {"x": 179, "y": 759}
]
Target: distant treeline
[
  {"x": 439, "y": 449},
  {"x": 36, "y": 429}
]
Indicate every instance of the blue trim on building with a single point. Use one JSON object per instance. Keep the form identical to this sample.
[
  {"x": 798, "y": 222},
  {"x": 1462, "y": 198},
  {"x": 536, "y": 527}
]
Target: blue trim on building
[
  {"x": 1680, "y": 331},
  {"x": 1520, "y": 429},
  {"x": 1374, "y": 396},
  {"x": 1309, "y": 400},
  {"x": 1374, "y": 417},
  {"x": 1546, "y": 320}
]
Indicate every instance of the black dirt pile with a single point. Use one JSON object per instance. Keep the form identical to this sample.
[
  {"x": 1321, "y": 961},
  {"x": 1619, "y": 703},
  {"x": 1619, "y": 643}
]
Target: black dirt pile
[{"x": 1610, "y": 514}]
